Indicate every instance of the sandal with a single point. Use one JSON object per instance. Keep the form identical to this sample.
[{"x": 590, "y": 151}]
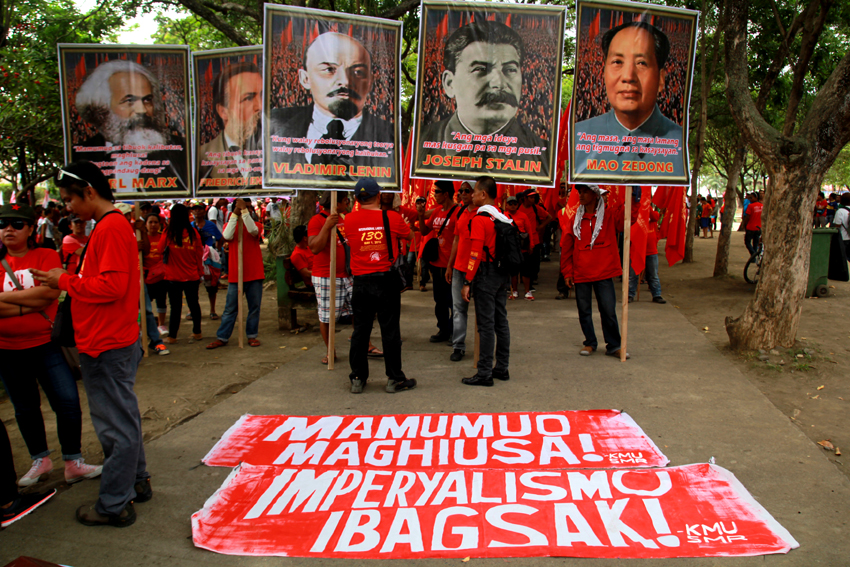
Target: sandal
[
  {"x": 216, "y": 343},
  {"x": 375, "y": 352},
  {"x": 254, "y": 342},
  {"x": 325, "y": 359},
  {"x": 214, "y": 316}
]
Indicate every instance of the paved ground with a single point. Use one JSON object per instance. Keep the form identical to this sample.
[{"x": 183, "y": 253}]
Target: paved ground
[{"x": 679, "y": 388}]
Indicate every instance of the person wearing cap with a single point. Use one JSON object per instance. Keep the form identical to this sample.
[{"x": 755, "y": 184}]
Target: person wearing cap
[
  {"x": 456, "y": 272},
  {"x": 104, "y": 307},
  {"x": 441, "y": 227},
  {"x": 590, "y": 260},
  {"x": 213, "y": 239},
  {"x": 537, "y": 219},
  {"x": 377, "y": 286},
  {"x": 253, "y": 275},
  {"x": 27, "y": 355},
  {"x": 74, "y": 243},
  {"x": 489, "y": 287}
]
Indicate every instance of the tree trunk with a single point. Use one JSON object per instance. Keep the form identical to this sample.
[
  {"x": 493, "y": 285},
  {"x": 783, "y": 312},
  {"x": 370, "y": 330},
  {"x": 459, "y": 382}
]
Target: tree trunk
[
  {"x": 303, "y": 207},
  {"x": 772, "y": 317},
  {"x": 730, "y": 202}
]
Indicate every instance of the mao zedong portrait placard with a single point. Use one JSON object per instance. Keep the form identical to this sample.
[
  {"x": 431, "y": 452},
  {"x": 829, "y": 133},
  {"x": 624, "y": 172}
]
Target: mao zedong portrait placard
[
  {"x": 482, "y": 72},
  {"x": 335, "y": 137},
  {"x": 134, "y": 146},
  {"x": 236, "y": 153},
  {"x": 633, "y": 138}
]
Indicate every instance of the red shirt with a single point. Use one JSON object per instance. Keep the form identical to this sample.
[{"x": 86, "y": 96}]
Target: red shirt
[
  {"x": 32, "y": 329},
  {"x": 302, "y": 258},
  {"x": 482, "y": 234},
  {"x": 322, "y": 260},
  {"x": 105, "y": 295},
  {"x": 521, "y": 222},
  {"x": 652, "y": 235},
  {"x": 252, "y": 267},
  {"x": 410, "y": 216},
  {"x": 154, "y": 256},
  {"x": 583, "y": 263},
  {"x": 707, "y": 209},
  {"x": 753, "y": 213},
  {"x": 820, "y": 207},
  {"x": 463, "y": 243},
  {"x": 71, "y": 244},
  {"x": 447, "y": 237},
  {"x": 365, "y": 230},
  {"x": 186, "y": 261},
  {"x": 532, "y": 213}
]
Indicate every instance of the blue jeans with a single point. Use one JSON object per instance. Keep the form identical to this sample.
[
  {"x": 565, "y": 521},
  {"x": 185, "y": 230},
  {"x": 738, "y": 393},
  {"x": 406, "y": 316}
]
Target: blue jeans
[
  {"x": 490, "y": 292},
  {"x": 153, "y": 331},
  {"x": 460, "y": 311},
  {"x": 22, "y": 371},
  {"x": 606, "y": 300},
  {"x": 253, "y": 291},
  {"x": 651, "y": 272}
]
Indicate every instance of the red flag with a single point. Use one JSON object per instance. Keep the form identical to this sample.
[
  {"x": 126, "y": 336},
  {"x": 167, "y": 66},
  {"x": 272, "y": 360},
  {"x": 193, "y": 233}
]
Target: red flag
[
  {"x": 563, "y": 142},
  {"x": 677, "y": 226},
  {"x": 508, "y": 21},
  {"x": 407, "y": 197}
]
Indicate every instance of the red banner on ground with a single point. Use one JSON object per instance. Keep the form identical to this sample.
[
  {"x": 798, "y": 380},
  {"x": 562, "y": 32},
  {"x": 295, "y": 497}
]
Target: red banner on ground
[
  {"x": 691, "y": 511},
  {"x": 565, "y": 439}
]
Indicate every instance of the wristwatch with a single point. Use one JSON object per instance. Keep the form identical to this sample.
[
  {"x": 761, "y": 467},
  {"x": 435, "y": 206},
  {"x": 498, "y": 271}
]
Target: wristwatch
[{"x": 467, "y": 282}]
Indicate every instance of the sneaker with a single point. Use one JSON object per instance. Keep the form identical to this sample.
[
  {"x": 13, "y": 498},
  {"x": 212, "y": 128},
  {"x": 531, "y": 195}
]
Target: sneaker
[
  {"x": 617, "y": 354},
  {"x": 78, "y": 470},
  {"x": 530, "y": 296},
  {"x": 658, "y": 299},
  {"x": 477, "y": 381},
  {"x": 631, "y": 299},
  {"x": 400, "y": 386},
  {"x": 144, "y": 492},
  {"x": 515, "y": 295},
  {"x": 163, "y": 331},
  {"x": 23, "y": 505},
  {"x": 357, "y": 386},
  {"x": 504, "y": 377},
  {"x": 88, "y": 516},
  {"x": 440, "y": 338},
  {"x": 161, "y": 350},
  {"x": 457, "y": 355},
  {"x": 586, "y": 350},
  {"x": 38, "y": 472}
]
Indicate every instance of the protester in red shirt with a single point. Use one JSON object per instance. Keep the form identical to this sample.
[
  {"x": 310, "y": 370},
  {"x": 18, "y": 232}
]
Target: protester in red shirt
[
  {"x": 489, "y": 287},
  {"x": 821, "y": 206},
  {"x": 441, "y": 228},
  {"x": 521, "y": 222},
  {"x": 537, "y": 219},
  {"x": 253, "y": 275},
  {"x": 651, "y": 266},
  {"x": 27, "y": 355},
  {"x": 377, "y": 286},
  {"x": 323, "y": 228},
  {"x": 590, "y": 260},
  {"x": 105, "y": 306},
  {"x": 73, "y": 244},
  {"x": 752, "y": 223},
  {"x": 705, "y": 219},
  {"x": 456, "y": 272},
  {"x": 154, "y": 270},
  {"x": 301, "y": 257},
  {"x": 183, "y": 255}
]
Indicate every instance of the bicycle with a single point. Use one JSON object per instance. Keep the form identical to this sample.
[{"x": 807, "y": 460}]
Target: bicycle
[{"x": 753, "y": 265}]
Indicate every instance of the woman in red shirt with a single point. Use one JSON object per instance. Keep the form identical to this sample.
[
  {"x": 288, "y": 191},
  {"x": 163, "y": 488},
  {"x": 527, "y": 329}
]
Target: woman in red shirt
[
  {"x": 155, "y": 271},
  {"x": 182, "y": 252},
  {"x": 27, "y": 355},
  {"x": 73, "y": 244}
]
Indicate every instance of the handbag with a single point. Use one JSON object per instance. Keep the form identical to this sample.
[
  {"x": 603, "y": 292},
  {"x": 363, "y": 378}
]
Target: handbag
[
  {"x": 431, "y": 252},
  {"x": 69, "y": 353},
  {"x": 398, "y": 265}
]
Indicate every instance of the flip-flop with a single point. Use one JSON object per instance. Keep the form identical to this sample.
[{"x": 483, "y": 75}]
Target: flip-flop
[
  {"x": 254, "y": 342},
  {"x": 375, "y": 352},
  {"x": 214, "y": 316}
]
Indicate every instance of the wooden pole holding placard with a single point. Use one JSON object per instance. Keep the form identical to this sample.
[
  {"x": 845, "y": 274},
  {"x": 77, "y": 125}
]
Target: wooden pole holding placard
[
  {"x": 239, "y": 281},
  {"x": 143, "y": 311},
  {"x": 627, "y": 233},
  {"x": 332, "y": 302}
]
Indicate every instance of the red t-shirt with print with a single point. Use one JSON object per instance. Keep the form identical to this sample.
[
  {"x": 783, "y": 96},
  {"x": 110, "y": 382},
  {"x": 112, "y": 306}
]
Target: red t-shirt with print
[
  {"x": 365, "y": 233},
  {"x": 185, "y": 260},
  {"x": 32, "y": 329},
  {"x": 446, "y": 238},
  {"x": 105, "y": 295},
  {"x": 322, "y": 260},
  {"x": 753, "y": 213}
]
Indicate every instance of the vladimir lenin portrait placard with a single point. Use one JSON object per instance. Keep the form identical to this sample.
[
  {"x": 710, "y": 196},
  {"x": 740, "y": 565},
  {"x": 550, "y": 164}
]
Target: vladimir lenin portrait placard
[
  {"x": 228, "y": 125},
  {"x": 332, "y": 99},
  {"x": 126, "y": 109},
  {"x": 632, "y": 88},
  {"x": 488, "y": 91}
]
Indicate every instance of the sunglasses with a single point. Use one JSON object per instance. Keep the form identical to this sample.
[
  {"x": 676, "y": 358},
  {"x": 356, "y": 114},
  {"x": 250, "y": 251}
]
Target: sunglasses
[
  {"x": 437, "y": 192},
  {"x": 62, "y": 173},
  {"x": 17, "y": 224},
  {"x": 462, "y": 191}
]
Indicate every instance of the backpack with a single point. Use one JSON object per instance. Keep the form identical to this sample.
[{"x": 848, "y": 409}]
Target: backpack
[{"x": 508, "y": 256}]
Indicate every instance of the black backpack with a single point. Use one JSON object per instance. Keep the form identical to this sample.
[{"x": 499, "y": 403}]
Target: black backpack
[{"x": 508, "y": 256}]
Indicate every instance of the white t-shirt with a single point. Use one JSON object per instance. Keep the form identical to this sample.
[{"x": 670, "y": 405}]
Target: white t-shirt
[
  {"x": 842, "y": 221},
  {"x": 214, "y": 215}
]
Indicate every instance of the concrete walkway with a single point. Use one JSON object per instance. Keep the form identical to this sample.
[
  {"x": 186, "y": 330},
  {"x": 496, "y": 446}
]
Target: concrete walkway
[{"x": 684, "y": 394}]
